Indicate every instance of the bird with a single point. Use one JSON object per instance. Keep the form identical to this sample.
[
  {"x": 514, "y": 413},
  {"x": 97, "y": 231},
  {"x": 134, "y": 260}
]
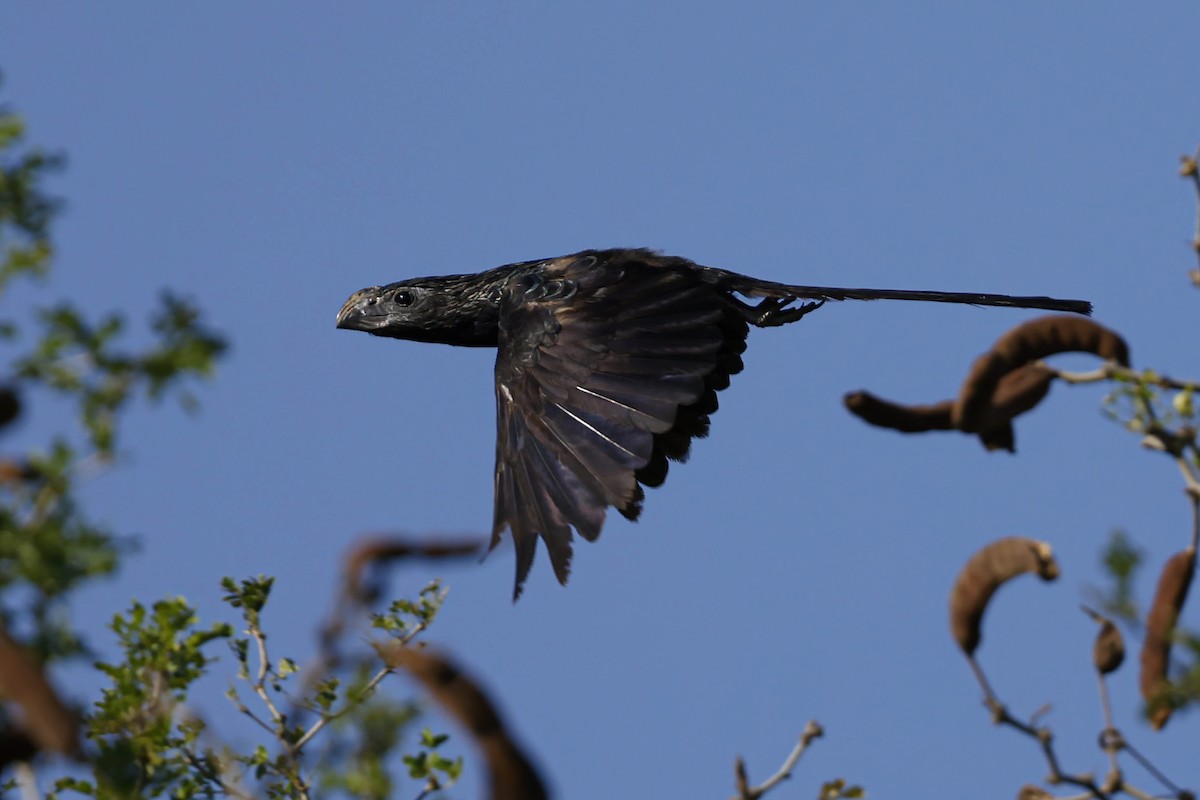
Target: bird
[{"x": 608, "y": 366}]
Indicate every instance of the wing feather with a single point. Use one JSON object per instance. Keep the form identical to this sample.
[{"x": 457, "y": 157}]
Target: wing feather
[{"x": 607, "y": 368}]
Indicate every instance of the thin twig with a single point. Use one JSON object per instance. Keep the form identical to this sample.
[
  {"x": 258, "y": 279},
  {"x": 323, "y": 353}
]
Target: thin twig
[
  {"x": 289, "y": 769},
  {"x": 1111, "y": 740},
  {"x": 231, "y": 789},
  {"x": 325, "y": 719},
  {"x": 242, "y": 707},
  {"x": 1191, "y": 169},
  {"x": 1191, "y": 483},
  {"x": 989, "y": 695},
  {"x": 1195, "y": 521},
  {"x": 812, "y": 730},
  {"x": 353, "y": 595},
  {"x": 1001, "y": 716},
  {"x": 1171, "y": 442},
  {"x": 1153, "y": 770},
  {"x": 27, "y": 780},
  {"x": 368, "y": 690},
  {"x": 260, "y": 682},
  {"x": 1113, "y": 370},
  {"x": 1136, "y": 793}
]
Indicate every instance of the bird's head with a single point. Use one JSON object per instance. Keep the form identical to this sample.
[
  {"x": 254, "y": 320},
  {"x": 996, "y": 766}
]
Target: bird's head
[
  {"x": 456, "y": 309},
  {"x": 381, "y": 310}
]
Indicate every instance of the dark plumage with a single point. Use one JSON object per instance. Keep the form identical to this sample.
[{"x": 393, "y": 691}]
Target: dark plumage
[{"x": 608, "y": 365}]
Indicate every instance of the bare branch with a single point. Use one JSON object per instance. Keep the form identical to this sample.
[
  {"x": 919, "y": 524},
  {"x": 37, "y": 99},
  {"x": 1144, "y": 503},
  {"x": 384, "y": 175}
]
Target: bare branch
[
  {"x": 325, "y": 719},
  {"x": 1189, "y": 168},
  {"x": 260, "y": 681},
  {"x": 812, "y": 730}
]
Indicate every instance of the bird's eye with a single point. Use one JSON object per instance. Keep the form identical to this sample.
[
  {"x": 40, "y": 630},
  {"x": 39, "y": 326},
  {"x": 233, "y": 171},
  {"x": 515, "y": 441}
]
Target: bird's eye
[{"x": 403, "y": 298}]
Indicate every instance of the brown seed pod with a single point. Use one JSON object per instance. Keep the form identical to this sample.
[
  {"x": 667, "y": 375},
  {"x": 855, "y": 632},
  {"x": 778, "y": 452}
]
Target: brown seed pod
[
  {"x": 1016, "y": 393},
  {"x": 380, "y": 551},
  {"x": 906, "y": 419},
  {"x": 50, "y": 724},
  {"x": 1109, "y": 650},
  {"x": 510, "y": 772},
  {"x": 1020, "y": 390},
  {"x": 984, "y": 573},
  {"x": 1028, "y": 342},
  {"x": 999, "y": 437},
  {"x": 1031, "y": 792},
  {"x": 1169, "y": 597}
]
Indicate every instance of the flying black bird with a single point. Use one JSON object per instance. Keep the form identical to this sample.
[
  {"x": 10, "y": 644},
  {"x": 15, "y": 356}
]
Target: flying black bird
[{"x": 608, "y": 365}]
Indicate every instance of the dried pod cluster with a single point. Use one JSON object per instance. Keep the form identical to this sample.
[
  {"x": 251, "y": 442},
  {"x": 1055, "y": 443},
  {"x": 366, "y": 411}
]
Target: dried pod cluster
[
  {"x": 1003, "y": 383},
  {"x": 986, "y": 571},
  {"x": 1169, "y": 598}
]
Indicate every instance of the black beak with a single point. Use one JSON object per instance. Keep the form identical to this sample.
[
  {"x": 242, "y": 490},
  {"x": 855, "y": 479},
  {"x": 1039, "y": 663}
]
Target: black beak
[{"x": 361, "y": 312}]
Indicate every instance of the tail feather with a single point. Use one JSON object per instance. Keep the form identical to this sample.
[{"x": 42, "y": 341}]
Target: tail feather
[
  {"x": 968, "y": 298},
  {"x": 756, "y": 287}
]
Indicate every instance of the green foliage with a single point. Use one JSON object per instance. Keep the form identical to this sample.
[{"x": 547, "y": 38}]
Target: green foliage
[
  {"x": 144, "y": 745},
  {"x": 25, "y": 210},
  {"x": 83, "y": 361},
  {"x": 147, "y": 741},
  {"x": 48, "y": 546},
  {"x": 249, "y": 595},
  {"x": 437, "y": 771},
  {"x": 1121, "y": 559},
  {"x": 360, "y": 745},
  {"x": 837, "y": 789},
  {"x": 143, "y": 737},
  {"x": 406, "y": 618}
]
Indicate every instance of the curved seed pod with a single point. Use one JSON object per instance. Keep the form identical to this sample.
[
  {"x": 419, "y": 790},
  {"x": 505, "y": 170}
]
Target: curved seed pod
[
  {"x": 1109, "y": 650},
  {"x": 999, "y": 437},
  {"x": 984, "y": 573},
  {"x": 1030, "y": 341},
  {"x": 907, "y": 419},
  {"x": 383, "y": 550},
  {"x": 49, "y": 722},
  {"x": 1169, "y": 597},
  {"x": 510, "y": 772},
  {"x": 1016, "y": 393},
  {"x": 1020, "y": 390}
]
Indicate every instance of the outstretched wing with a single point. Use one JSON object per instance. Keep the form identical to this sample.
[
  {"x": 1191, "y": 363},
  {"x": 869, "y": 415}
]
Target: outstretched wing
[{"x": 607, "y": 367}]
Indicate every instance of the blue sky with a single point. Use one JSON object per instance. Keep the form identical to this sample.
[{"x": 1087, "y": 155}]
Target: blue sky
[{"x": 268, "y": 161}]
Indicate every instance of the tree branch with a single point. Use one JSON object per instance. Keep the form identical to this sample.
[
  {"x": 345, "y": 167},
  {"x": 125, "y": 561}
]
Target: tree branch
[{"x": 812, "y": 730}]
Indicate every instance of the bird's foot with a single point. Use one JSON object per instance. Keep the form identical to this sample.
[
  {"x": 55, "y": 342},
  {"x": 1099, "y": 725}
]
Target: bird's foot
[{"x": 773, "y": 312}]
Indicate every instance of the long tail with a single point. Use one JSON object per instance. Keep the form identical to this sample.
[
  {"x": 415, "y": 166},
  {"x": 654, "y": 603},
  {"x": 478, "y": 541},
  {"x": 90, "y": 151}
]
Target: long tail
[
  {"x": 756, "y": 287},
  {"x": 969, "y": 298}
]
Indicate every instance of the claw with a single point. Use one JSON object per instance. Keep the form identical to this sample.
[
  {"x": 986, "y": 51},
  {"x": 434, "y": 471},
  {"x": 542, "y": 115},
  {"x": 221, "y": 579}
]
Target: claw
[{"x": 773, "y": 312}]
